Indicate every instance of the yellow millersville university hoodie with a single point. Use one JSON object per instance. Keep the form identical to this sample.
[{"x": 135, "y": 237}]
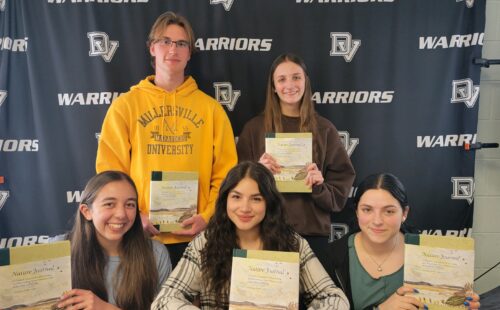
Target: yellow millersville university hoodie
[{"x": 150, "y": 129}]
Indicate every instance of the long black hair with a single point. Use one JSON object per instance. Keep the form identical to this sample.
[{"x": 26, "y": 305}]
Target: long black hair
[{"x": 276, "y": 234}]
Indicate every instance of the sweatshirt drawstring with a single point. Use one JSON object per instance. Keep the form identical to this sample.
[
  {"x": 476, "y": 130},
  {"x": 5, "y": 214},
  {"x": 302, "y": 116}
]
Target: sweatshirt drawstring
[
  {"x": 175, "y": 110},
  {"x": 164, "y": 118},
  {"x": 169, "y": 119},
  {"x": 165, "y": 114}
]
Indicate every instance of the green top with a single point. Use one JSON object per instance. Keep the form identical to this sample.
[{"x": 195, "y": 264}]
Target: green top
[{"x": 367, "y": 291}]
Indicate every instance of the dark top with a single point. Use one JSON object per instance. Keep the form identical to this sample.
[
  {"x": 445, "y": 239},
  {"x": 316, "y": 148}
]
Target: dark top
[
  {"x": 338, "y": 266},
  {"x": 309, "y": 214}
]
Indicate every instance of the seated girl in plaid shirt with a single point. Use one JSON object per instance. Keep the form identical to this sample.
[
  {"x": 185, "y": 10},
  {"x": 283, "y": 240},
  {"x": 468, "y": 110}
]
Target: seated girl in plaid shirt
[{"x": 248, "y": 215}]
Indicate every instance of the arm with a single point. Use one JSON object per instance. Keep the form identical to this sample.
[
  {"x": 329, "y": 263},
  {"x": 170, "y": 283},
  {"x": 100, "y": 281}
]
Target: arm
[
  {"x": 251, "y": 146},
  {"x": 113, "y": 152},
  {"x": 245, "y": 147},
  {"x": 184, "y": 283},
  {"x": 83, "y": 299},
  {"x": 398, "y": 300},
  {"x": 224, "y": 157},
  {"x": 337, "y": 265},
  {"x": 318, "y": 288},
  {"x": 163, "y": 262},
  {"x": 148, "y": 227},
  {"x": 338, "y": 174}
]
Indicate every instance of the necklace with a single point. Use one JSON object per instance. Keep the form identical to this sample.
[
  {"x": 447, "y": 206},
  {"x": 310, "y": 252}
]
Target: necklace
[{"x": 379, "y": 266}]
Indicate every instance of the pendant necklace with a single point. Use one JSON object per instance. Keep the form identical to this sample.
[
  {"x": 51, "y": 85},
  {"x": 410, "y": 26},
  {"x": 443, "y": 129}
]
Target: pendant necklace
[{"x": 379, "y": 266}]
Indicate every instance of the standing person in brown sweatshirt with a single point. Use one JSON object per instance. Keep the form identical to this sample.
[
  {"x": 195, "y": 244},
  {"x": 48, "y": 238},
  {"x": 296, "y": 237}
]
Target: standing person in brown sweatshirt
[{"x": 289, "y": 108}]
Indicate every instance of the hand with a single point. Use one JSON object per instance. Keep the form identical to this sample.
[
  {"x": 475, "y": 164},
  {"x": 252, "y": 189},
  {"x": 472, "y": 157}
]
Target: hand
[
  {"x": 83, "y": 299},
  {"x": 314, "y": 175},
  {"x": 197, "y": 224},
  {"x": 270, "y": 163},
  {"x": 398, "y": 300},
  {"x": 472, "y": 300},
  {"x": 149, "y": 229}
]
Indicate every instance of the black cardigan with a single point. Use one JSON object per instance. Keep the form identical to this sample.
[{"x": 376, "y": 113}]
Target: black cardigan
[{"x": 338, "y": 267}]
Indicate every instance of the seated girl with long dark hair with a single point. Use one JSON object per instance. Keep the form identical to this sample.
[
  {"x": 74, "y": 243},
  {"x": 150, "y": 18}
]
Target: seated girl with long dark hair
[
  {"x": 113, "y": 264},
  {"x": 248, "y": 215}
]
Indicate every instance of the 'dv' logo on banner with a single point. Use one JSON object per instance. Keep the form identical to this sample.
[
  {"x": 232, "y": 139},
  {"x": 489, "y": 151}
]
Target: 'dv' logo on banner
[
  {"x": 3, "y": 198},
  {"x": 226, "y": 3},
  {"x": 3, "y": 95},
  {"x": 101, "y": 45}
]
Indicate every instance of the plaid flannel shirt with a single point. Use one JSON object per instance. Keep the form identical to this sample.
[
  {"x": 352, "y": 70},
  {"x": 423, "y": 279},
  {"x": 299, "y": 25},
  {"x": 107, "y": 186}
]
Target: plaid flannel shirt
[{"x": 185, "y": 283}]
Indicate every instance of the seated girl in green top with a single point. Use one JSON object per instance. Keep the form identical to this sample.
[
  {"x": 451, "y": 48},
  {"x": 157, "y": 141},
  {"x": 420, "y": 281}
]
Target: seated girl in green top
[{"x": 368, "y": 265}]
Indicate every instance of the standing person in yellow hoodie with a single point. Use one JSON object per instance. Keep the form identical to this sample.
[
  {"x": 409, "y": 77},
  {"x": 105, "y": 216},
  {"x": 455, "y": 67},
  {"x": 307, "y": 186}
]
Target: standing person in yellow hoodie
[{"x": 165, "y": 123}]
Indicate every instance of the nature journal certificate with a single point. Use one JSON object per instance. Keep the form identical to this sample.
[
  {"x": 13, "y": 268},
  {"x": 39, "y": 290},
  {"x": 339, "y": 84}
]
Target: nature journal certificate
[
  {"x": 293, "y": 151},
  {"x": 441, "y": 268},
  {"x": 34, "y": 276},
  {"x": 264, "y": 280},
  {"x": 173, "y": 198}
]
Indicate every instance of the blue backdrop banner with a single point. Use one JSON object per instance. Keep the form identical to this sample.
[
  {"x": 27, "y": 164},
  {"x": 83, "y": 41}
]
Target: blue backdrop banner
[{"x": 395, "y": 77}]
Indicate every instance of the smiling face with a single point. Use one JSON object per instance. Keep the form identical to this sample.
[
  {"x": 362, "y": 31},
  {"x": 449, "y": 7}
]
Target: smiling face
[
  {"x": 171, "y": 59},
  {"x": 246, "y": 207},
  {"x": 289, "y": 84},
  {"x": 380, "y": 215},
  {"x": 112, "y": 213}
]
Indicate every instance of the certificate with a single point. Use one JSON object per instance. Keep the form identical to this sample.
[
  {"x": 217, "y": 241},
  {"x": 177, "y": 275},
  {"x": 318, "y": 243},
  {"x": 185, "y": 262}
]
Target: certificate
[
  {"x": 35, "y": 276},
  {"x": 293, "y": 152},
  {"x": 441, "y": 268},
  {"x": 173, "y": 198},
  {"x": 264, "y": 280}
]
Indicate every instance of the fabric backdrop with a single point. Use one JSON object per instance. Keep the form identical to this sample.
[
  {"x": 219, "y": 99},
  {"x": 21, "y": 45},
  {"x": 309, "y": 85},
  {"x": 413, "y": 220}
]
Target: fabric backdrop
[{"x": 395, "y": 77}]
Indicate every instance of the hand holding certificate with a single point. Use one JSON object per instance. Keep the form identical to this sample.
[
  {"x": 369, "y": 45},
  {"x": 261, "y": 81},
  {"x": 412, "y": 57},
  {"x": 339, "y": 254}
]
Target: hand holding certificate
[
  {"x": 173, "y": 199},
  {"x": 35, "y": 276},
  {"x": 293, "y": 153},
  {"x": 441, "y": 268}
]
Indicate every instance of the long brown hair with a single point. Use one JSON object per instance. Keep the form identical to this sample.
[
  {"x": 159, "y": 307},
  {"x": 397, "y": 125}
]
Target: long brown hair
[
  {"x": 276, "y": 234},
  {"x": 136, "y": 278},
  {"x": 307, "y": 114}
]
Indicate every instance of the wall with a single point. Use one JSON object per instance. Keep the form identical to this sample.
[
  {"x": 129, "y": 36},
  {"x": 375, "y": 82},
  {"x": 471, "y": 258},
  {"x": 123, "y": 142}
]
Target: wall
[{"x": 486, "y": 226}]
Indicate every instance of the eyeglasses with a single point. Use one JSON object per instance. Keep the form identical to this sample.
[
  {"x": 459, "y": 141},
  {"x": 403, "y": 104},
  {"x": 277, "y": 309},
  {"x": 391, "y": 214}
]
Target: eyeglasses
[{"x": 182, "y": 44}]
